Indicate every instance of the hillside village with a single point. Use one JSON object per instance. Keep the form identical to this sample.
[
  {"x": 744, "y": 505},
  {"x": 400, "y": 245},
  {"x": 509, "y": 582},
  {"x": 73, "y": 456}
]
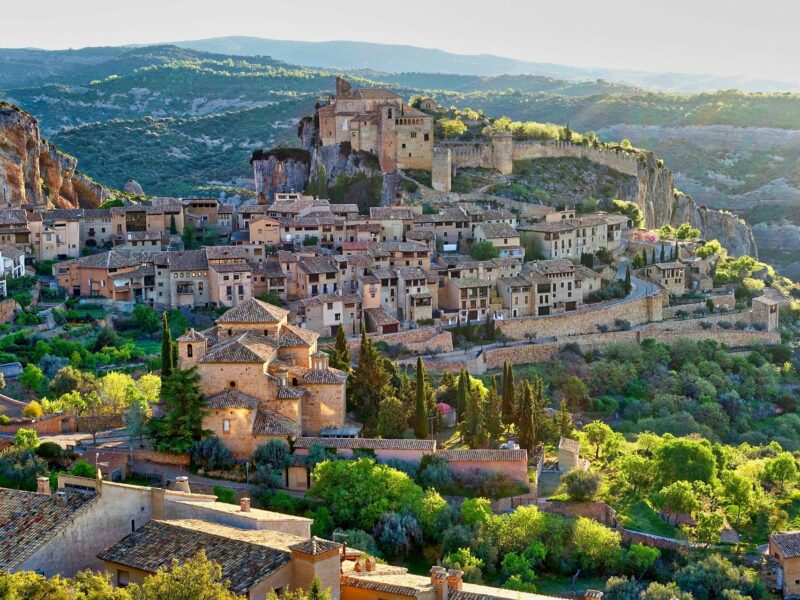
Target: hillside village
[{"x": 447, "y": 396}]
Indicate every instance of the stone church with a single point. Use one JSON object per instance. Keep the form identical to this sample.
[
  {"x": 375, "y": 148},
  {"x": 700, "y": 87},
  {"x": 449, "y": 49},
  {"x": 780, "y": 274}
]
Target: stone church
[
  {"x": 376, "y": 120},
  {"x": 263, "y": 378}
]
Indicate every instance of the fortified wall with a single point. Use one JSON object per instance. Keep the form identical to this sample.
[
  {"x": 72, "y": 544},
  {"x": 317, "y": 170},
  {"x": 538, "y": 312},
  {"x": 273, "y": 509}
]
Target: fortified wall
[{"x": 655, "y": 191}]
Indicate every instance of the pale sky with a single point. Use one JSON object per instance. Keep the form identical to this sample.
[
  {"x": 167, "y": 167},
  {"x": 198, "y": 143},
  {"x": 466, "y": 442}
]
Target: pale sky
[{"x": 755, "y": 38}]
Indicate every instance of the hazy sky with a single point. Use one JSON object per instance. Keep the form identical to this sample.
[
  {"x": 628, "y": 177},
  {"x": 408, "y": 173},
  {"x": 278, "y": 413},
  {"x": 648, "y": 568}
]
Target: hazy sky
[{"x": 757, "y": 38}]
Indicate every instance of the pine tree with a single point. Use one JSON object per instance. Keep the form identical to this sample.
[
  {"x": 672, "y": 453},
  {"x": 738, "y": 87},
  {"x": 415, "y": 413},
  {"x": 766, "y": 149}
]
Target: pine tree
[
  {"x": 494, "y": 423},
  {"x": 525, "y": 425},
  {"x": 341, "y": 352},
  {"x": 421, "y": 425},
  {"x": 463, "y": 394},
  {"x": 166, "y": 347},
  {"x": 184, "y": 408},
  {"x": 370, "y": 383},
  {"x": 508, "y": 407},
  {"x": 565, "y": 426},
  {"x": 628, "y": 285},
  {"x": 315, "y": 592},
  {"x": 663, "y": 253}
]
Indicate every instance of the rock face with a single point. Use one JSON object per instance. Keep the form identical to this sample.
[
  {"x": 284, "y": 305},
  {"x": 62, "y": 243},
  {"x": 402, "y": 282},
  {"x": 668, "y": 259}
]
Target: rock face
[
  {"x": 280, "y": 171},
  {"x": 662, "y": 205},
  {"x": 33, "y": 171},
  {"x": 132, "y": 187}
]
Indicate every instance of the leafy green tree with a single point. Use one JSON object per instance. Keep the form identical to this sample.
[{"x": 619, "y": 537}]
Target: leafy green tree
[
  {"x": 508, "y": 408},
  {"x": 781, "y": 470},
  {"x": 639, "y": 558},
  {"x": 575, "y": 392},
  {"x": 678, "y": 498},
  {"x": 421, "y": 425},
  {"x": 26, "y": 439},
  {"x": 32, "y": 410},
  {"x": 596, "y": 434},
  {"x": 392, "y": 418},
  {"x": 637, "y": 470},
  {"x": 685, "y": 460},
  {"x": 737, "y": 491},
  {"x": 136, "y": 417},
  {"x": 711, "y": 577},
  {"x": 470, "y": 565},
  {"x": 526, "y": 425},
  {"x": 484, "y": 250},
  {"x": 621, "y": 587},
  {"x": 707, "y": 529},
  {"x": 452, "y": 128},
  {"x": 597, "y": 548},
  {"x": 476, "y": 511},
  {"x": 69, "y": 379},
  {"x": 31, "y": 377},
  {"x": 145, "y": 318},
  {"x": 182, "y": 424},
  {"x": 189, "y": 237},
  {"x": 358, "y": 492},
  {"x": 581, "y": 485},
  {"x": 166, "y": 347},
  {"x": 665, "y": 591},
  {"x": 86, "y": 585},
  {"x": 196, "y": 579}
]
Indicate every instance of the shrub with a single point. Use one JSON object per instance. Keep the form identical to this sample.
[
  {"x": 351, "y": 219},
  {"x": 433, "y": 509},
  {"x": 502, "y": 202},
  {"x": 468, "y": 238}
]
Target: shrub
[
  {"x": 273, "y": 454},
  {"x": 706, "y": 325},
  {"x": 622, "y": 324},
  {"x": 211, "y": 453},
  {"x": 581, "y": 485},
  {"x": 49, "y": 450},
  {"x": 725, "y": 324},
  {"x": 224, "y": 494},
  {"x": 740, "y": 325},
  {"x": 33, "y": 410}
]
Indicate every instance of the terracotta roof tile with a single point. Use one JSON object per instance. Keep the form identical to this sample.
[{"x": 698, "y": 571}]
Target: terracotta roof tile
[
  {"x": 483, "y": 455},
  {"x": 232, "y": 399},
  {"x": 366, "y": 443},
  {"x": 268, "y": 422},
  {"x": 254, "y": 311}
]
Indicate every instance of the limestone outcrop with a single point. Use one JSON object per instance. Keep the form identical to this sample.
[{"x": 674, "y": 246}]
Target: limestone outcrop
[
  {"x": 34, "y": 172},
  {"x": 133, "y": 187}
]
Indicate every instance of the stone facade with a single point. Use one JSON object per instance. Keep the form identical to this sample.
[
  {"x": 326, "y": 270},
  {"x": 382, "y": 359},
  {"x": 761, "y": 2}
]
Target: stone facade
[{"x": 263, "y": 378}]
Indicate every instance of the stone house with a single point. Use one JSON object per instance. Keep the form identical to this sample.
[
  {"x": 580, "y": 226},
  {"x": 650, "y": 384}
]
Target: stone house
[
  {"x": 502, "y": 236},
  {"x": 517, "y": 293},
  {"x": 555, "y": 238},
  {"x": 55, "y": 234},
  {"x": 394, "y": 221},
  {"x": 14, "y": 228},
  {"x": 451, "y": 225},
  {"x": 317, "y": 275},
  {"x": 468, "y": 297},
  {"x": 406, "y": 254},
  {"x": 265, "y": 230},
  {"x": 670, "y": 275},
  {"x": 326, "y": 313},
  {"x": 784, "y": 548},
  {"x": 12, "y": 265},
  {"x": 569, "y": 451},
  {"x": 263, "y": 378},
  {"x": 513, "y": 463}
]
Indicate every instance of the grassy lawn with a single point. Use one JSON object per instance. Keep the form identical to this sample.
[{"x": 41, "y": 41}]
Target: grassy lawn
[
  {"x": 148, "y": 346},
  {"x": 635, "y": 513},
  {"x": 562, "y": 586},
  {"x": 549, "y": 482},
  {"x": 450, "y": 439}
]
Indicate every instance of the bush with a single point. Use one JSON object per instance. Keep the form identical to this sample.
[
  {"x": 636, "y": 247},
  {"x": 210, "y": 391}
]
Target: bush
[
  {"x": 212, "y": 454},
  {"x": 33, "y": 410},
  {"x": 581, "y": 485},
  {"x": 740, "y": 325},
  {"x": 49, "y": 451},
  {"x": 274, "y": 454},
  {"x": 225, "y": 495},
  {"x": 725, "y": 324},
  {"x": 622, "y": 324},
  {"x": 706, "y": 325}
]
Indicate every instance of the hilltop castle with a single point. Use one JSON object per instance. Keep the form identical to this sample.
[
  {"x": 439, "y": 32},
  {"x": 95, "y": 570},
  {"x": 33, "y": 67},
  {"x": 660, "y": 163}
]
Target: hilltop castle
[
  {"x": 263, "y": 378},
  {"x": 376, "y": 120}
]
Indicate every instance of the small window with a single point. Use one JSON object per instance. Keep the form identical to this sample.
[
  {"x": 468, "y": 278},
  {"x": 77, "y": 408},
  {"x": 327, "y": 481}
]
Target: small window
[
  {"x": 123, "y": 578},
  {"x": 427, "y": 137},
  {"x": 232, "y": 384},
  {"x": 226, "y": 425},
  {"x": 189, "y": 351}
]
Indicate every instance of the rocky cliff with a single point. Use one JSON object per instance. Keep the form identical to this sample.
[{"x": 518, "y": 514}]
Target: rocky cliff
[
  {"x": 33, "y": 171},
  {"x": 662, "y": 204}
]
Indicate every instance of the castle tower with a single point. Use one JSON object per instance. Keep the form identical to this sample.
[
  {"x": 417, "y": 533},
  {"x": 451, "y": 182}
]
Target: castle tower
[
  {"x": 387, "y": 137},
  {"x": 442, "y": 169},
  {"x": 765, "y": 311},
  {"x": 503, "y": 153},
  {"x": 343, "y": 87}
]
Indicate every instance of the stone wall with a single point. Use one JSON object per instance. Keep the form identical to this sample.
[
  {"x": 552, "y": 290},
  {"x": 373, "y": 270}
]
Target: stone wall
[
  {"x": 8, "y": 310},
  {"x": 597, "y": 511},
  {"x": 162, "y": 458},
  {"x": 47, "y": 425},
  {"x": 584, "y": 321},
  {"x": 420, "y": 340},
  {"x": 532, "y": 353}
]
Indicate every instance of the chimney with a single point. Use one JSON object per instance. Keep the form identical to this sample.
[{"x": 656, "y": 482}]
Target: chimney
[
  {"x": 60, "y": 497},
  {"x": 593, "y": 595},
  {"x": 43, "y": 486},
  {"x": 454, "y": 579},
  {"x": 182, "y": 484},
  {"x": 244, "y": 504},
  {"x": 439, "y": 582}
]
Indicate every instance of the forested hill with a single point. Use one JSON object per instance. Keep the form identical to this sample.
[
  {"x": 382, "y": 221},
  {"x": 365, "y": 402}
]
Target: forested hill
[{"x": 183, "y": 121}]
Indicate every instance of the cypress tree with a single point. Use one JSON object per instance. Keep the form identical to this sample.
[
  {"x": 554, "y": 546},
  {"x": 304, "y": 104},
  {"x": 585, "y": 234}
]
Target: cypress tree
[
  {"x": 674, "y": 252},
  {"x": 508, "y": 394},
  {"x": 628, "y": 279},
  {"x": 663, "y": 253},
  {"x": 473, "y": 427},
  {"x": 421, "y": 428},
  {"x": 463, "y": 393},
  {"x": 539, "y": 403},
  {"x": 173, "y": 228},
  {"x": 653, "y": 257},
  {"x": 565, "y": 426},
  {"x": 370, "y": 383},
  {"x": 494, "y": 423},
  {"x": 644, "y": 256},
  {"x": 526, "y": 429},
  {"x": 341, "y": 351},
  {"x": 166, "y": 347}
]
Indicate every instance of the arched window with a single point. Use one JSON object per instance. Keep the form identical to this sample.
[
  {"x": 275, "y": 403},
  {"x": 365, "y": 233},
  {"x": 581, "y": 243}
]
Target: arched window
[{"x": 189, "y": 350}]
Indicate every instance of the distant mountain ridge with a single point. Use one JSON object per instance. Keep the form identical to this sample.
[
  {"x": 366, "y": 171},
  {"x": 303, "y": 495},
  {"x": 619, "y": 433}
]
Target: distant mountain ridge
[{"x": 403, "y": 59}]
